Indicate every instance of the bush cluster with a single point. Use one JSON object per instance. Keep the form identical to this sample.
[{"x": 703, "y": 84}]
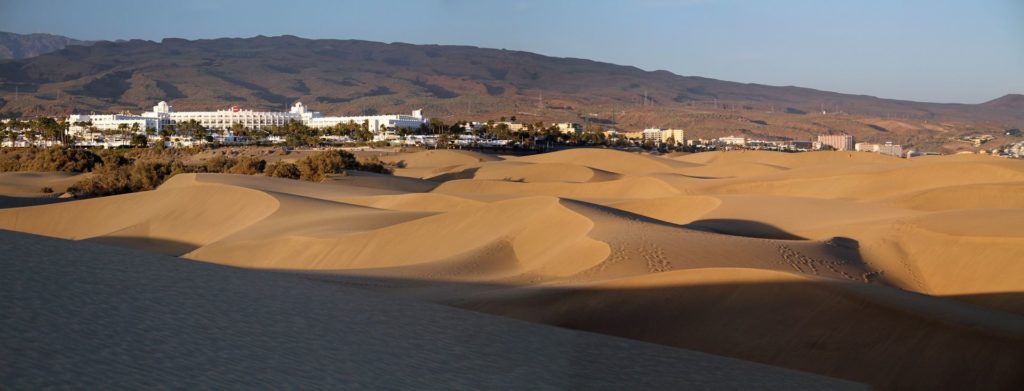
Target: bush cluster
[
  {"x": 315, "y": 168},
  {"x": 282, "y": 170},
  {"x": 139, "y": 175},
  {"x": 131, "y": 170},
  {"x": 49, "y": 159}
]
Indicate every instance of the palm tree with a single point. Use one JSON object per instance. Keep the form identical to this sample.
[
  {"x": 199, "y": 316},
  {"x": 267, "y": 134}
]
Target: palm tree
[
  {"x": 122, "y": 131},
  {"x": 30, "y": 137},
  {"x": 199, "y": 131}
]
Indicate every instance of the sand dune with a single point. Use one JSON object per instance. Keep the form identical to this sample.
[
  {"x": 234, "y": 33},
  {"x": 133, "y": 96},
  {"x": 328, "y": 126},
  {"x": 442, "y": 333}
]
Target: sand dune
[
  {"x": 609, "y": 160},
  {"x": 542, "y": 172},
  {"x": 784, "y": 319},
  {"x": 674, "y": 209},
  {"x": 84, "y": 316},
  {"x": 433, "y": 163},
  {"x": 630, "y": 188},
  {"x": 864, "y": 267},
  {"x": 172, "y": 221},
  {"x": 993, "y": 195},
  {"x": 31, "y": 184}
]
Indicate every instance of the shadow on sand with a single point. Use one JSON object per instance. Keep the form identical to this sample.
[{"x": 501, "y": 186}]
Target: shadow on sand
[
  {"x": 18, "y": 202},
  {"x": 747, "y": 228},
  {"x": 878, "y": 335},
  {"x": 160, "y": 246}
]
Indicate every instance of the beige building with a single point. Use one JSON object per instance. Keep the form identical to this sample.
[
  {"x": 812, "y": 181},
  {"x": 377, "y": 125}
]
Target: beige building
[
  {"x": 733, "y": 140},
  {"x": 658, "y": 135},
  {"x": 839, "y": 142},
  {"x": 569, "y": 127},
  {"x": 633, "y": 135}
]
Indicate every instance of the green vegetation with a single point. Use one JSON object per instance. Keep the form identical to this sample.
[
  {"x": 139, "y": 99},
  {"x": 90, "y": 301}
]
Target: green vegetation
[
  {"x": 49, "y": 159},
  {"x": 298, "y": 134},
  {"x": 316, "y": 167},
  {"x": 49, "y": 129},
  {"x": 248, "y": 166},
  {"x": 282, "y": 170},
  {"x": 122, "y": 171},
  {"x": 112, "y": 178}
]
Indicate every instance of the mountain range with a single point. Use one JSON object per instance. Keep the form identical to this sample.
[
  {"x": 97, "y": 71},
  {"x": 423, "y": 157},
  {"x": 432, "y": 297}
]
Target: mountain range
[
  {"x": 19, "y": 46},
  {"x": 451, "y": 82}
]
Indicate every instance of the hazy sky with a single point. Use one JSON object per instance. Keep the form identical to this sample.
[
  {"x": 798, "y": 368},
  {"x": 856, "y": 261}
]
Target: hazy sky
[{"x": 927, "y": 50}]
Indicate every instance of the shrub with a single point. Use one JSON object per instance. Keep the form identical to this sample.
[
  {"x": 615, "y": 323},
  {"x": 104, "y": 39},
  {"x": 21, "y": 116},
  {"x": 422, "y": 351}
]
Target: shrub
[
  {"x": 63, "y": 159},
  {"x": 112, "y": 179},
  {"x": 373, "y": 164},
  {"x": 47, "y": 189},
  {"x": 376, "y": 167},
  {"x": 248, "y": 166},
  {"x": 282, "y": 170},
  {"x": 220, "y": 164},
  {"x": 316, "y": 167},
  {"x": 106, "y": 180},
  {"x": 10, "y": 160},
  {"x": 139, "y": 140},
  {"x": 114, "y": 158},
  {"x": 147, "y": 175}
]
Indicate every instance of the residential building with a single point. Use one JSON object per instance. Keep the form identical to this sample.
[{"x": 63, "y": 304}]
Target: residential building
[
  {"x": 839, "y": 142},
  {"x": 799, "y": 145},
  {"x": 677, "y": 136},
  {"x": 733, "y": 140},
  {"x": 163, "y": 115},
  {"x": 568, "y": 127},
  {"x": 111, "y": 122},
  {"x": 891, "y": 149},
  {"x": 512, "y": 126},
  {"x": 638, "y": 135},
  {"x": 865, "y": 147}
]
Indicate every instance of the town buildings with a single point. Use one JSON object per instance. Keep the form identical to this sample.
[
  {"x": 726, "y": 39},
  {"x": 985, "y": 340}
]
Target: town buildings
[
  {"x": 568, "y": 127},
  {"x": 839, "y": 142},
  {"x": 665, "y": 136},
  {"x": 885, "y": 149},
  {"x": 113, "y": 121},
  {"x": 658, "y": 136},
  {"x": 733, "y": 140},
  {"x": 891, "y": 149},
  {"x": 163, "y": 115}
]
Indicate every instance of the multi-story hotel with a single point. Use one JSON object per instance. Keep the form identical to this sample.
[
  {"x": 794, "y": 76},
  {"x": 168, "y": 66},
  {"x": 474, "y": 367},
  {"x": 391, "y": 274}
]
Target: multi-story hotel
[
  {"x": 164, "y": 115},
  {"x": 113, "y": 121},
  {"x": 839, "y": 142},
  {"x": 885, "y": 149},
  {"x": 733, "y": 140},
  {"x": 678, "y": 136}
]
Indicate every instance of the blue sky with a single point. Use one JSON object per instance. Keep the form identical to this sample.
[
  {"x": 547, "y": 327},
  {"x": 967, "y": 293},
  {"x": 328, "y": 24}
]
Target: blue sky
[{"x": 937, "y": 50}]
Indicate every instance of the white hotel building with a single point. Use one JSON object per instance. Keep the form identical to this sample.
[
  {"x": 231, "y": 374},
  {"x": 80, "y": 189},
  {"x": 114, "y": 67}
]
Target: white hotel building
[{"x": 163, "y": 115}]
